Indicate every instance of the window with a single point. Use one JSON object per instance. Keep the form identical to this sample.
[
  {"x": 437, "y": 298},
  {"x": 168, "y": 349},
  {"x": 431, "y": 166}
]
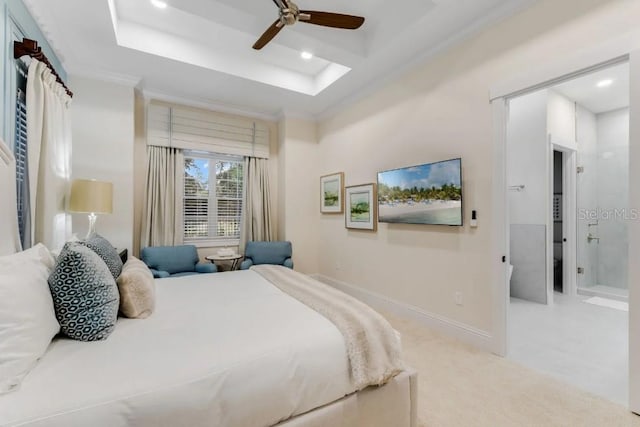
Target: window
[{"x": 213, "y": 189}]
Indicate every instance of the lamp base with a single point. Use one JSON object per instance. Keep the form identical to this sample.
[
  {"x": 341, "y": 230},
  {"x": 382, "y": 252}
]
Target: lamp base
[{"x": 92, "y": 225}]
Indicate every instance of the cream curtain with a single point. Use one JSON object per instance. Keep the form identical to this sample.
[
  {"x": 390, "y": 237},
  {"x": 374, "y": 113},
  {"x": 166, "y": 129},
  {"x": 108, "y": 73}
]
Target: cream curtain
[
  {"x": 10, "y": 241},
  {"x": 162, "y": 211},
  {"x": 49, "y": 156},
  {"x": 257, "y": 221}
]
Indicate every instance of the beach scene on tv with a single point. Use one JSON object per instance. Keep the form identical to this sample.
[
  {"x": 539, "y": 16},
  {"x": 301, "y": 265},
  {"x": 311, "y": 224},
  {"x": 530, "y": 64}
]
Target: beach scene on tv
[{"x": 426, "y": 194}]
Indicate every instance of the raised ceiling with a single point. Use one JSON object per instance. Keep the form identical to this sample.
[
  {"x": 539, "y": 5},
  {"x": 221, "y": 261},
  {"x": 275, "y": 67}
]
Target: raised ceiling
[{"x": 200, "y": 50}]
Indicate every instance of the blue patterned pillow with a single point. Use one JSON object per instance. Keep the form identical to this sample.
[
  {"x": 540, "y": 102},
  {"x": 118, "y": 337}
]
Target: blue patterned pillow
[
  {"x": 108, "y": 253},
  {"x": 85, "y": 295}
]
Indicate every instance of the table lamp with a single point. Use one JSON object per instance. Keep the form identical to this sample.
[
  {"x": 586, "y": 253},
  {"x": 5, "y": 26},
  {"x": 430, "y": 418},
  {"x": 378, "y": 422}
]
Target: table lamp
[{"x": 92, "y": 197}]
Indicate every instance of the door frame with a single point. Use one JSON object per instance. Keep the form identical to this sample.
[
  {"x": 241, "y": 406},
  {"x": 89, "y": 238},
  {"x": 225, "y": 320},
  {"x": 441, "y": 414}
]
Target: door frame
[
  {"x": 570, "y": 226},
  {"x": 622, "y": 49},
  {"x": 634, "y": 233},
  {"x": 569, "y": 220}
]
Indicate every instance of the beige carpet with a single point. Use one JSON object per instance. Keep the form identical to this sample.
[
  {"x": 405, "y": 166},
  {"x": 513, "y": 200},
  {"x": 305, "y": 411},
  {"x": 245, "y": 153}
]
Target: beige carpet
[{"x": 461, "y": 386}]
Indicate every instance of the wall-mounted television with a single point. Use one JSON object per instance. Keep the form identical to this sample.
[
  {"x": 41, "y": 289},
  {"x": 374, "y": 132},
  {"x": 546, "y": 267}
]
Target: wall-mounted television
[{"x": 423, "y": 194}]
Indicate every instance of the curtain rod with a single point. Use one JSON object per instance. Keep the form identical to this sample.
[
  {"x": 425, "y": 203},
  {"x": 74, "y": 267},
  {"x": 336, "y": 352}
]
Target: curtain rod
[{"x": 28, "y": 47}]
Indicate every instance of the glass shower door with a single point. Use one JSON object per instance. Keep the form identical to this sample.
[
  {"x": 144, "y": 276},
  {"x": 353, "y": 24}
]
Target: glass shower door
[{"x": 602, "y": 202}]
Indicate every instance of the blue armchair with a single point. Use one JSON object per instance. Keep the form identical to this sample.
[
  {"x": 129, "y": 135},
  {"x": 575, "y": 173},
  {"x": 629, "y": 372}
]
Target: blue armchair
[
  {"x": 174, "y": 261},
  {"x": 256, "y": 253}
]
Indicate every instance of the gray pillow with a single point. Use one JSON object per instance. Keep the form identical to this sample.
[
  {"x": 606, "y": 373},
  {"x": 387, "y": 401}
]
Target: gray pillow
[
  {"x": 108, "y": 253},
  {"x": 85, "y": 295}
]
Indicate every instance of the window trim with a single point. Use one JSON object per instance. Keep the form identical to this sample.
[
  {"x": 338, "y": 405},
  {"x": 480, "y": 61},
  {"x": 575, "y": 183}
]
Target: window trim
[
  {"x": 208, "y": 242},
  {"x": 213, "y": 243}
]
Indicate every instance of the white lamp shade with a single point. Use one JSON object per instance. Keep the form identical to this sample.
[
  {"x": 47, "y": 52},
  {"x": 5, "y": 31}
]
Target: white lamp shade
[{"x": 90, "y": 196}]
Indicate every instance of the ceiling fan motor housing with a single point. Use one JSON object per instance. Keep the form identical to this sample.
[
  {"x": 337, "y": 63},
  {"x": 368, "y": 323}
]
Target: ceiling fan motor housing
[{"x": 289, "y": 16}]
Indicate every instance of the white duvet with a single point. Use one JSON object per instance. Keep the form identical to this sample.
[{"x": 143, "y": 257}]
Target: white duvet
[{"x": 225, "y": 349}]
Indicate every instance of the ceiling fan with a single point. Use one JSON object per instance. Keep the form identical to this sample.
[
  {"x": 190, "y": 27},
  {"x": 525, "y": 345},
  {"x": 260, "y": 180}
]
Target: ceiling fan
[{"x": 290, "y": 14}]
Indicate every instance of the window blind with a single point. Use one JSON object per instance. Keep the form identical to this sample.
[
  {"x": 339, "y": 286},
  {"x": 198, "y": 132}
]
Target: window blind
[
  {"x": 20, "y": 154},
  {"x": 229, "y": 182},
  {"x": 196, "y": 129},
  {"x": 213, "y": 190}
]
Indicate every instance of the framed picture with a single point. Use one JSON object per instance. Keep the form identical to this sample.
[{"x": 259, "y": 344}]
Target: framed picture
[
  {"x": 362, "y": 208},
  {"x": 331, "y": 193}
]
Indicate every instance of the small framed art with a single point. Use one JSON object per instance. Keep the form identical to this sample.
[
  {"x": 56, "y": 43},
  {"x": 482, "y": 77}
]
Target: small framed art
[
  {"x": 331, "y": 193},
  {"x": 362, "y": 208}
]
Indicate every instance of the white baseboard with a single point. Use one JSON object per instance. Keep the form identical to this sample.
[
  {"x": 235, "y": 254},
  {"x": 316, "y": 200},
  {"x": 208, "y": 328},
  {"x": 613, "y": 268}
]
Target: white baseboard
[{"x": 452, "y": 328}]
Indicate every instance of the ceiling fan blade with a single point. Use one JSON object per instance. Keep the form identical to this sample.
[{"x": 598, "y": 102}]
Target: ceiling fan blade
[
  {"x": 280, "y": 3},
  {"x": 334, "y": 20},
  {"x": 268, "y": 35}
]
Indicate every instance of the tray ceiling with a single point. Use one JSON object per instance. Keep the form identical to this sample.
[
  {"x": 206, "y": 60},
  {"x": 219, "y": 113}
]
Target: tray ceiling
[{"x": 200, "y": 50}]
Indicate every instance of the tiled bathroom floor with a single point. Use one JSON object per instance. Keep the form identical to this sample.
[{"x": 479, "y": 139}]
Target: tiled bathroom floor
[{"x": 583, "y": 344}]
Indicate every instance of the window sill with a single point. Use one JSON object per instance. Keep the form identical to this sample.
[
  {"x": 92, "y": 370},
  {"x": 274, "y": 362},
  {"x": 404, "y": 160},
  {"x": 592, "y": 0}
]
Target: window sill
[{"x": 213, "y": 243}]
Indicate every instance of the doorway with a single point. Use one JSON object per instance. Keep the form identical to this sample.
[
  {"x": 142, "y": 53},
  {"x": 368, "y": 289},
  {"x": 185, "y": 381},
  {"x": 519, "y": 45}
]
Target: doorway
[
  {"x": 559, "y": 222},
  {"x": 567, "y": 157}
]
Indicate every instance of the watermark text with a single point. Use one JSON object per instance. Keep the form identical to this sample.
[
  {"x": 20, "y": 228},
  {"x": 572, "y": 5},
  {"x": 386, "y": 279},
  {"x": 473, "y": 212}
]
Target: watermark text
[{"x": 623, "y": 214}]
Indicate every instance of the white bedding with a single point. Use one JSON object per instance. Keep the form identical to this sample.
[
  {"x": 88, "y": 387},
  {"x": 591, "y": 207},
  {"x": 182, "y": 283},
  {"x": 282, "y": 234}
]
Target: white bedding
[{"x": 220, "y": 350}]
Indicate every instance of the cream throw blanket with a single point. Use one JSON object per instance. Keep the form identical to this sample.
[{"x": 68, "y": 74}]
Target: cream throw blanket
[{"x": 372, "y": 345}]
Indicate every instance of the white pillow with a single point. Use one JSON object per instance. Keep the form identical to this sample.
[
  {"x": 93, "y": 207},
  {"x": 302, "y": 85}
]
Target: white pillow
[
  {"x": 38, "y": 253},
  {"x": 27, "y": 318}
]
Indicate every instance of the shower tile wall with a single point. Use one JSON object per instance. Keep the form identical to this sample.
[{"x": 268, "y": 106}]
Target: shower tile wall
[{"x": 613, "y": 190}]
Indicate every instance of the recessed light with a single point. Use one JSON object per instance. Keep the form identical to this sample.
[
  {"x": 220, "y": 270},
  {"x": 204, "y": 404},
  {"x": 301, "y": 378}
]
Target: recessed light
[
  {"x": 605, "y": 83},
  {"x": 160, "y": 4},
  {"x": 306, "y": 55}
]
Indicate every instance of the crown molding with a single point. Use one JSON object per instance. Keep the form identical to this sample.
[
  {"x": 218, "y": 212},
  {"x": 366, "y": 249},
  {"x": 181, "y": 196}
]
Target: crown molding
[
  {"x": 296, "y": 115},
  {"x": 77, "y": 70},
  {"x": 208, "y": 105}
]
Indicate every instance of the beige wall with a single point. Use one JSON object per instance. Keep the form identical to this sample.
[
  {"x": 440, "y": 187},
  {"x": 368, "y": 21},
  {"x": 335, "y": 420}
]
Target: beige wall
[
  {"x": 440, "y": 111},
  {"x": 299, "y": 187},
  {"x": 102, "y": 127}
]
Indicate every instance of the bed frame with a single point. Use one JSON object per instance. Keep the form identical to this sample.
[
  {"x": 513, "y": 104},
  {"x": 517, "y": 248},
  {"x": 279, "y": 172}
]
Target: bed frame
[{"x": 392, "y": 405}]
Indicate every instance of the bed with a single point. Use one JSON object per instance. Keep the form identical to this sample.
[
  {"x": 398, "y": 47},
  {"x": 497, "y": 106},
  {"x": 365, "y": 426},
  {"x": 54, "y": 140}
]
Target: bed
[{"x": 225, "y": 349}]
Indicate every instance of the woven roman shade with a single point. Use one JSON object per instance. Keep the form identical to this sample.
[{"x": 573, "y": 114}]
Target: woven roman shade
[{"x": 202, "y": 130}]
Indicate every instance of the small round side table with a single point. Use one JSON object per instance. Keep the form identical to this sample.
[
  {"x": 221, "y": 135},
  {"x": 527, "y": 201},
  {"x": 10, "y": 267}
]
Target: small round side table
[{"x": 235, "y": 260}]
